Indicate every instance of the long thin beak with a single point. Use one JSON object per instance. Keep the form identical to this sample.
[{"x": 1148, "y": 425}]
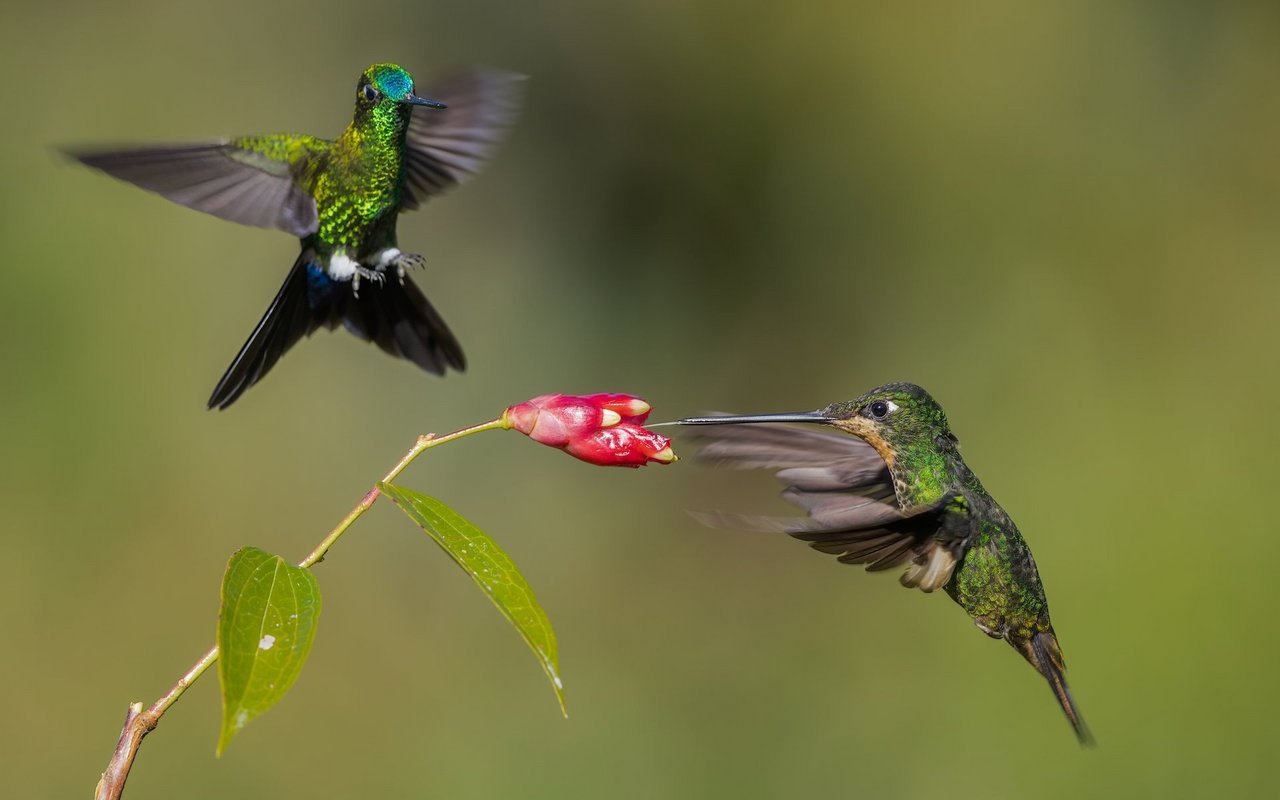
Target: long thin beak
[
  {"x": 798, "y": 416},
  {"x": 413, "y": 100}
]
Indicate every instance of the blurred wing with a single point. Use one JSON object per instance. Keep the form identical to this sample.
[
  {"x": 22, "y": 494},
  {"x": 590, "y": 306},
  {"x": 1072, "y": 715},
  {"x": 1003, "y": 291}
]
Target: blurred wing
[
  {"x": 810, "y": 457},
  {"x": 218, "y": 178},
  {"x": 847, "y": 493},
  {"x": 448, "y": 146}
]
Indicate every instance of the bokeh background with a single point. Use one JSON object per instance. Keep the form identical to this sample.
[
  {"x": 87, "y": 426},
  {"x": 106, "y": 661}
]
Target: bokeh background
[{"x": 1064, "y": 220}]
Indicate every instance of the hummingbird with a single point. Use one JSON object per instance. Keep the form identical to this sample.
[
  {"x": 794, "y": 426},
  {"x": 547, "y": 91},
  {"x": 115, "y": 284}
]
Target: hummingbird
[
  {"x": 896, "y": 492},
  {"x": 341, "y": 197}
]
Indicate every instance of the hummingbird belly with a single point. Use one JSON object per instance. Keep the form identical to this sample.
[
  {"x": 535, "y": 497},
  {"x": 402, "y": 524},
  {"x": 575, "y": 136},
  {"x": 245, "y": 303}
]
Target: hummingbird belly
[
  {"x": 359, "y": 238},
  {"x": 341, "y": 267}
]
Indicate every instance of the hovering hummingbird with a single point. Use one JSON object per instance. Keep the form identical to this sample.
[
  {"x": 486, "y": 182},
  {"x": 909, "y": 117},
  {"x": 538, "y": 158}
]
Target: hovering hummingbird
[
  {"x": 341, "y": 198},
  {"x": 899, "y": 493}
]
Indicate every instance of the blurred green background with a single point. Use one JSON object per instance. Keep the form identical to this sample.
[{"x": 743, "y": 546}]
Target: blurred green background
[{"x": 1063, "y": 220}]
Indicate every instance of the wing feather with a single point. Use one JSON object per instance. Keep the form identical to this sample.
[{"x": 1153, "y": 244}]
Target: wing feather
[
  {"x": 771, "y": 446},
  {"x": 847, "y": 493},
  {"x": 447, "y": 147},
  {"x": 219, "y": 178}
]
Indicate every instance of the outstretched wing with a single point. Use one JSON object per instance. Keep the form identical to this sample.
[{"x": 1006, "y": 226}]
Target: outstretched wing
[
  {"x": 447, "y": 147},
  {"x": 251, "y": 181},
  {"x": 847, "y": 493}
]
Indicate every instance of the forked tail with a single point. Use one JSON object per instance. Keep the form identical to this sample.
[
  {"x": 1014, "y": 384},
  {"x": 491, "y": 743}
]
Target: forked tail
[{"x": 392, "y": 314}]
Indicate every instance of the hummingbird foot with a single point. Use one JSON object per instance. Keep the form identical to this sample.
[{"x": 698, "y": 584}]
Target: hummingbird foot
[
  {"x": 405, "y": 261},
  {"x": 393, "y": 257},
  {"x": 408, "y": 261},
  {"x": 364, "y": 272}
]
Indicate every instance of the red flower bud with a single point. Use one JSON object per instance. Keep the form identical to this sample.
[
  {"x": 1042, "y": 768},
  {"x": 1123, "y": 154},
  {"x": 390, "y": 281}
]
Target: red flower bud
[
  {"x": 624, "y": 445},
  {"x": 602, "y": 429}
]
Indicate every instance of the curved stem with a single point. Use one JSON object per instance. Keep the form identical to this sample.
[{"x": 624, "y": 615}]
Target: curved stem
[
  {"x": 138, "y": 723},
  {"x": 423, "y": 444}
]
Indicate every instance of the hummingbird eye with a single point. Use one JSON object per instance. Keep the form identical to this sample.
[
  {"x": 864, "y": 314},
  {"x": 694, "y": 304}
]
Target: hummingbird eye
[
  {"x": 369, "y": 92},
  {"x": 881, "y": 409}
]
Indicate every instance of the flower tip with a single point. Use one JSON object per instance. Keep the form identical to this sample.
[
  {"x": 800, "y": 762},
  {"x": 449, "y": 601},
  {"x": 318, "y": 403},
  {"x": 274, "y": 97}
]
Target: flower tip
[
  {"x": 627, "y": 406},
  {"x": 609, "y": 418},
  {"x": 665, "y": 456},
  {"x": 635, "y": 407}
]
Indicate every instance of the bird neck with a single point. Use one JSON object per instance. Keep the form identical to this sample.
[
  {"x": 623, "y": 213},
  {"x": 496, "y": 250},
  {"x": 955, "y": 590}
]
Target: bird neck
[
  {"x": 378, "y": 131},
  {"x": 923, "y": 473}
]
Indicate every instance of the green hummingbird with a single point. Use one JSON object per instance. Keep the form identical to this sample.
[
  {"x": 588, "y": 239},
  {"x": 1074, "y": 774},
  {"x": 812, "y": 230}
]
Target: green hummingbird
[
  {"x": 341, "y": 198},
  {"x": 897, "y": 492}
]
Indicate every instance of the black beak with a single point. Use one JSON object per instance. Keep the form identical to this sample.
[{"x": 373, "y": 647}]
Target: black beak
[
  {"x": 798, "y": 416},
  {"x": 413, "y": 100}
]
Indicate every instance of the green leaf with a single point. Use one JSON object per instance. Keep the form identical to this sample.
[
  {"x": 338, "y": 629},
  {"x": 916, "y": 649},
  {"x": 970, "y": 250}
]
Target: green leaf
[
  {"x": 491, "y": 568},
  {"x": 265, "y": 629}
]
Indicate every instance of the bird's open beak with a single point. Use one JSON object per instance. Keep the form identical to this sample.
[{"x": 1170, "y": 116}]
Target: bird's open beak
[
  {"x": 819, "y": 416},
  {"x": 413, "y": 100}
]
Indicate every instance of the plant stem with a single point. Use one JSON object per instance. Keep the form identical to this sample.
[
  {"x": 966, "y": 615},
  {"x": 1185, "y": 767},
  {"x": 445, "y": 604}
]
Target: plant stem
[
  {"x": 424, "y": 443},
  {"x": 138, "y": 723}
]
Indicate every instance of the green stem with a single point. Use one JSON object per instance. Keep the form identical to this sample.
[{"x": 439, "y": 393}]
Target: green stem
[
  {"x": 139, "y": 723},
  {"x": 162, "y": 705},
  {"x": 423, "y": 444}
]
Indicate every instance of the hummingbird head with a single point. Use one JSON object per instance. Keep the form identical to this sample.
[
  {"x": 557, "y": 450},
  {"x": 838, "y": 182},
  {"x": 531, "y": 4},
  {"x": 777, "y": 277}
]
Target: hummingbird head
[
  {"x": 388, "y": 88},
  {"x": 901, "y": 421},
  {"x": 897, "y": 420}
]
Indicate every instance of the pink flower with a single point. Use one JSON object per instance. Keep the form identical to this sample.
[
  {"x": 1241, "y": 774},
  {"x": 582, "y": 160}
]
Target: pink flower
[{"x": 603, "y": 429}]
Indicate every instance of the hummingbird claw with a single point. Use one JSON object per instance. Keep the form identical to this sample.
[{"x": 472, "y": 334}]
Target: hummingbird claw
[
  {"x": 411, "y": 261},
  {"x": 406, "y": 261},
  {"x": 364, "y": 272}
]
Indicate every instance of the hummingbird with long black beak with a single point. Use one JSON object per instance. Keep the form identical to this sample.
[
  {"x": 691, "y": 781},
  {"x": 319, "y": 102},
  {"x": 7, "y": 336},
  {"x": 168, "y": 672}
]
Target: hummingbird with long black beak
[
  {"x": 341, "y": 198},
  {"x": 897, "y": 493}
]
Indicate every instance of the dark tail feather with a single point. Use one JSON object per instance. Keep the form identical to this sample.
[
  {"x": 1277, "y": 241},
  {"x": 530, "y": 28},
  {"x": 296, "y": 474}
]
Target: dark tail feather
[
  {"x": 1044, "y": 654},
  {"x": 399, "y": 319},
  {"x": 395, "y": 316},
  {"x": 287, "y": 320}
]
